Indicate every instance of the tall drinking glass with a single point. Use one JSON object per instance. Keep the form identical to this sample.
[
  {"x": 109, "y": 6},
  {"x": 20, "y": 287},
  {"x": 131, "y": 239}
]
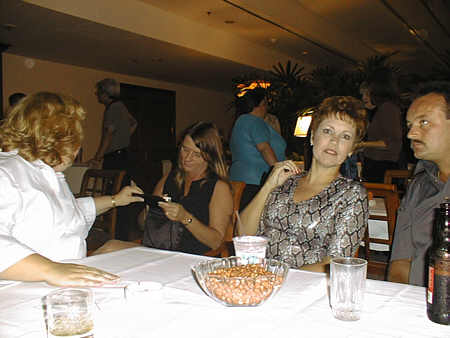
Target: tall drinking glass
[
  {"x": 69, "y": 313},
  {"x": 347, "y": 285}
]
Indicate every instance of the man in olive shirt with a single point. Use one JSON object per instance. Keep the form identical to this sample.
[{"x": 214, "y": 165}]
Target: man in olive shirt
[
  {"x": 428, "y": 122},
  {"x": 118, "y": 126}
]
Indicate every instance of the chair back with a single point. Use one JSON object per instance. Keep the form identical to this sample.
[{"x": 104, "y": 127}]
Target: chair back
[
  {"x": 377, "y": 264},
  {"x": 399, "y": 177},
  {"x": 225, "y": 248},
  {"x": 98, "y": 182}
]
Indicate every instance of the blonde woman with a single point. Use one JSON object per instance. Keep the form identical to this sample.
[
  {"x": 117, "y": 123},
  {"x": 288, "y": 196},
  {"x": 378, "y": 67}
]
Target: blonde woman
[{"x": 41, "y": 223}]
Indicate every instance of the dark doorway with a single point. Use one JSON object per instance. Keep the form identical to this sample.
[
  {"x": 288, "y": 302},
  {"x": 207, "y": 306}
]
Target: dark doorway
[{"x": 154, "y": 139}]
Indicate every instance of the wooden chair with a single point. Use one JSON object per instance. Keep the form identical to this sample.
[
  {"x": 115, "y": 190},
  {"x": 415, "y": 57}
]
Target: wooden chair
[
  {"x": 97, "y": 182},
  {"x": 399, "y": 177},
  {"x": 377, "y": 262},
  {"x": 226, "y": 247}
]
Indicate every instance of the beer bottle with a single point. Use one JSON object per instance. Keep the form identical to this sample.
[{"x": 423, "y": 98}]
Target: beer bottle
[{"x": 438, "y": 293}]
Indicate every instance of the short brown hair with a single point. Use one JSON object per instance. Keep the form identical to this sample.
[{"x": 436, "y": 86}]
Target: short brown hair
[
  {"x": 345, "y": 108},
  {"x": 45, "y": 126}
]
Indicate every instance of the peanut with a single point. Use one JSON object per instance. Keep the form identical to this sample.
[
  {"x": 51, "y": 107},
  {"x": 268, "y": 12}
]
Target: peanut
[{"x": 244, "y": 285}]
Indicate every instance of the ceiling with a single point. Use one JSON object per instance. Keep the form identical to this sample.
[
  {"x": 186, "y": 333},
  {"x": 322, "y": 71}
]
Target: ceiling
[{"x": 206, "y": 43}]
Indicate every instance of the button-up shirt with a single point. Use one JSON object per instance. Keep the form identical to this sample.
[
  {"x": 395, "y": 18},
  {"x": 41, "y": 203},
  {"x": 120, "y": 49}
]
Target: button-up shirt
[
  {"x": 39, "y": 214},
  {"x": 416, "y": 217}
]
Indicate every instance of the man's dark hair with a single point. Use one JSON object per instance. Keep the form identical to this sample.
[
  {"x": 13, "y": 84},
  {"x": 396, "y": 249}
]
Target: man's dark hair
[
  {"x": 15, "y": 98},
  {"x": 436, "y": 87}
]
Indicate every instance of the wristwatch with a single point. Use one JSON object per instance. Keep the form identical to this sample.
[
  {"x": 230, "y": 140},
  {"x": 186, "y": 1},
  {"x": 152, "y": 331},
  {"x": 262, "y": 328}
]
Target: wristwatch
[{"x": 187, "y": 220}]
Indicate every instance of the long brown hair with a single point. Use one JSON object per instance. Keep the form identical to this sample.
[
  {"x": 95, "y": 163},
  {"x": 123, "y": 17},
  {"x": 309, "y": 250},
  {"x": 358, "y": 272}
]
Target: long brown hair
[{"x": 207, "y": 138}]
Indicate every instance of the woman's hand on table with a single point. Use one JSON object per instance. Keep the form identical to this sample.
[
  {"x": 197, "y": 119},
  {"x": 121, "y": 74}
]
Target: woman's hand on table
[
  {"x": 281, "y": 171},
  {"x": 65, "y": 274}
]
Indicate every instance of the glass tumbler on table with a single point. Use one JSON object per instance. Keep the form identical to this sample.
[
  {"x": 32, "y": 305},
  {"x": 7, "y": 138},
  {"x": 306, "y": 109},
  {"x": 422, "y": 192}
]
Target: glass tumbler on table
[
  {"x": 69, "y": 313},
  {"x": 347, "y": 286},
  {"x": 250, "y": 248}
]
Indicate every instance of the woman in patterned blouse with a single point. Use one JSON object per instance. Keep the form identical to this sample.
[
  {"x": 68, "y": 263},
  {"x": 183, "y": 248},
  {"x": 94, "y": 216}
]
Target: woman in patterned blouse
[{"x": 313, "y": 216}]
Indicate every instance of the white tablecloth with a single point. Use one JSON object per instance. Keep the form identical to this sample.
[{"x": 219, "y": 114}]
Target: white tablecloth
[{"x": 181, "y": 309}]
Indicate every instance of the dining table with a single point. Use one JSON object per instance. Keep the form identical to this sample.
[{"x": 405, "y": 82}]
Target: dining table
[{"x": 177, "y": 307}]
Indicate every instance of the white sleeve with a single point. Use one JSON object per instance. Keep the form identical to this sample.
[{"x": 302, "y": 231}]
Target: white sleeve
[
  {"x": 11, "y": 250},
  {"x": 87, "y": 206}
]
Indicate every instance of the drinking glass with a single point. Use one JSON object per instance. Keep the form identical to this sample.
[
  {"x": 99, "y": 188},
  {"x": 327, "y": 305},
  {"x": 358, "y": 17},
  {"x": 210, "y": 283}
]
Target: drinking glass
[
  {"x": 69, "y": 313},
  {"x": 347, "y": 285},
  {"x": 250, "y": 248}
]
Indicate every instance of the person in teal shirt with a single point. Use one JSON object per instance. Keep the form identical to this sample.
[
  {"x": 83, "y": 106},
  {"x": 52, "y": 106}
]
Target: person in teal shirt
[{"x": 255, "y": 145}]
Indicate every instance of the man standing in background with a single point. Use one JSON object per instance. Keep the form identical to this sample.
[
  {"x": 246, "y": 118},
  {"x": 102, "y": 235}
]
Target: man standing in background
[{"x": 118, "y": 126}]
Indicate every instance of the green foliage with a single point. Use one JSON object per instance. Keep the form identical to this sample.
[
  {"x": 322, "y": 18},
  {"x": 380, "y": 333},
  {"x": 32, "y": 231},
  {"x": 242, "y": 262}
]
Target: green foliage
[{"x": 373, "y": 64}]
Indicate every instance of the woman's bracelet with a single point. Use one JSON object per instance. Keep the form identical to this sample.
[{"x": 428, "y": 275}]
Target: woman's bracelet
[
  {"x": 187, "y": 220},
  {"x": 113, "y": 201}
]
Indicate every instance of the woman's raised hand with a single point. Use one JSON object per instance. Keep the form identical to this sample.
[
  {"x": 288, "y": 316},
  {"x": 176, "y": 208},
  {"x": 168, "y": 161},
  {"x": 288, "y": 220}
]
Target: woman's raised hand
[
  {"x": 173, "y": 211},
  {"x": 125, "y": 196},
  {"x": 281, "y": 171}
]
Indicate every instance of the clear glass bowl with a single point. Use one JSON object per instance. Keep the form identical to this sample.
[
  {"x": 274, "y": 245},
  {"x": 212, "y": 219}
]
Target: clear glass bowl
[{"x": 248, "y": 285}]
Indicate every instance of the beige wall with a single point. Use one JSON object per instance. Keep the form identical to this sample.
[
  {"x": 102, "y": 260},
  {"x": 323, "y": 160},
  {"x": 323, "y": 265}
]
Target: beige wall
[{"x": 21, "y": 74}]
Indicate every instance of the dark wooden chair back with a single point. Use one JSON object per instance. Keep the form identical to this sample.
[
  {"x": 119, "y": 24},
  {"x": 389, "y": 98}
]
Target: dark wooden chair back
[
  {"x": 226, "y": 247},
  {"x": 97, "y": 182},
  {"x": 377, "y": 263},
  {"x": 400, "y": 178}
]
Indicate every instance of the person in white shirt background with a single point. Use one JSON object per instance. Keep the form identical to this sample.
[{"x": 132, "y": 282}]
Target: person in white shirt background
[{"x": 41, "y": 222}]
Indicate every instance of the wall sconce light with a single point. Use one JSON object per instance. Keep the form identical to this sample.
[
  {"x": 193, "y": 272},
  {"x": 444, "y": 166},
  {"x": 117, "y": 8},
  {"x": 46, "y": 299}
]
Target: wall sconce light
[{"x": 303, "y": 122}]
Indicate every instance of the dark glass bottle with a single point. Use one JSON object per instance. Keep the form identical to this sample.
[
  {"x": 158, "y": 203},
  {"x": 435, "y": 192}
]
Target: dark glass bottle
[{"x": 438, "y": 294}]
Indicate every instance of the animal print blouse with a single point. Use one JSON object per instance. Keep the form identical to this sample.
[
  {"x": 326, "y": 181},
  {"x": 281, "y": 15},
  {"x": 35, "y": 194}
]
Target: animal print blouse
[{"x": 331, "y": 223}]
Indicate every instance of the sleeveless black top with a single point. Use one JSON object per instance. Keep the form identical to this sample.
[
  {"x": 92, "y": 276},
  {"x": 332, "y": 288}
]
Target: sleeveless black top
[{"x": 197, "y": 203}]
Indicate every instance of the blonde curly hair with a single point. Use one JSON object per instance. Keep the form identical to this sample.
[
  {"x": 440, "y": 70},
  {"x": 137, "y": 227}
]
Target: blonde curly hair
[{"x": 45, "y": 126}]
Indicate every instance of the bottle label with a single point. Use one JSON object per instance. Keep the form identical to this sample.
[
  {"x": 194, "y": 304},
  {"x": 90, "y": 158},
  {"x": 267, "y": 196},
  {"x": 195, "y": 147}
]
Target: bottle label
[{"x": 430, "y": 284}]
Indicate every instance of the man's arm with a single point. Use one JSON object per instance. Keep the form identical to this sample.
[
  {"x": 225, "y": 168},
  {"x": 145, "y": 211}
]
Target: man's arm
[
  {"x": 373, "y": 144},
  {"x": 133, "y": 123},
  {"x": 399, "y": 271},
  {"x": 104, "y": 143}
]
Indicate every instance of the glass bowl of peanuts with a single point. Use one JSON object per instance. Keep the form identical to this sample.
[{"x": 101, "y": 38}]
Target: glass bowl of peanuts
[{"x": 233, "y": 282}]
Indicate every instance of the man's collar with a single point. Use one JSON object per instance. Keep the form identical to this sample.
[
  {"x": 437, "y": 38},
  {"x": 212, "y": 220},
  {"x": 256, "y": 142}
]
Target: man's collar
[{"x": 429, "y": 167}]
